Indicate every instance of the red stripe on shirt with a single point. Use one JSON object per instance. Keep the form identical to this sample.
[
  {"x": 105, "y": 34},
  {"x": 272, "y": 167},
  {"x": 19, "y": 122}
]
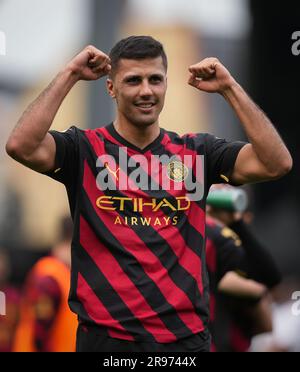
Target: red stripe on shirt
[
  {"x": 98, "y": 312},
  {"x": 115, "y": 275},
  {"x": 152, "y": 266},
  {"x": 196, "y": 216},
  {"x": 187, "y": 258}
]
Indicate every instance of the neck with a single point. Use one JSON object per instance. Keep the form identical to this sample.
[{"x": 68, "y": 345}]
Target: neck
[{"x": 141, "y": 137}]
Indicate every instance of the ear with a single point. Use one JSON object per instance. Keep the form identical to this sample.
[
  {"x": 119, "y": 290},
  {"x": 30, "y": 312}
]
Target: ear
[{"x": 110, "y": 88}]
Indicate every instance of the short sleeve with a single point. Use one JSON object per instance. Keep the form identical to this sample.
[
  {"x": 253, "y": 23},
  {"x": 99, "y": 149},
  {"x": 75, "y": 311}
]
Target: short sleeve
[
  {"x": 221, "y": 157},
  {"x": 66, "y": 157},
  {"x": 231, "y": 258},
  {"x": 230, "y": 252}
]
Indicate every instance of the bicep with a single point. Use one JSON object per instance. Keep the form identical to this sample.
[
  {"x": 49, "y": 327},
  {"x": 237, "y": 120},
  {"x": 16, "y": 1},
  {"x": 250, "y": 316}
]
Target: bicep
[
  {"x": 248, "y": 168},
  {"x": 235, "y": 285},
  {"x": 43, "y": 158}
]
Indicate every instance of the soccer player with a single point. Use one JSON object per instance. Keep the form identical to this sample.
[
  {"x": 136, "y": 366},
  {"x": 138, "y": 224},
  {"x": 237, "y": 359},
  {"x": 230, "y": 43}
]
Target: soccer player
[
  {"x": 241, "y": 274},
  {"x": 46, "y": 322},
  {"x": 139, "y": 280}
]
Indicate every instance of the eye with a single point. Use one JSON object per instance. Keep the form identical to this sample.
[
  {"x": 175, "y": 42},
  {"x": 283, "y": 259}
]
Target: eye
[
  {"x": 133, "y": 80},
  {"x": 156, "y": 79}
]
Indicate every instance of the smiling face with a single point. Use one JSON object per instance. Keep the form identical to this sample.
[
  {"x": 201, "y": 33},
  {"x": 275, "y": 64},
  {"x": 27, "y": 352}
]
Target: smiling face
[{"x": 139, "y": 87}]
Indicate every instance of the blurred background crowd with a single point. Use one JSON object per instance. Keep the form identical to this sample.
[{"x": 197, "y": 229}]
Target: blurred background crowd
[{"x": 252, "y": 38}]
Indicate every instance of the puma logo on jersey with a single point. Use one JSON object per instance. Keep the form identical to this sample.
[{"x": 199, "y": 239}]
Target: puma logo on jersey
[{"x": 115, "y": 174}]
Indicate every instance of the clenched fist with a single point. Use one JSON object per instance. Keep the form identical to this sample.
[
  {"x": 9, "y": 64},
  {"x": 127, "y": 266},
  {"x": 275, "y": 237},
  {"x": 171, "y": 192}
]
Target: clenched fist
[
  {"x": 90, "y": 64},
  {"x": 210, "y": 76}
]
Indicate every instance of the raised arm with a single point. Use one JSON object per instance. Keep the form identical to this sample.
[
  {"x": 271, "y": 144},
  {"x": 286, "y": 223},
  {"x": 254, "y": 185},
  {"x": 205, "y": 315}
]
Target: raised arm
[
  {"x": 30, "y": 143},
  {"x": 266, "y": 156}
]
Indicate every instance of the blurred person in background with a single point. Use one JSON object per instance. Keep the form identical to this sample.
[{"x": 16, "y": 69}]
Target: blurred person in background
[
  {"x": 8, "y": 322},
  {"x": 128, "y": 288},
  {"x": 46, "y": 322},
  {"x": 285, "y": 335},
  {"x": 242, "y": 273},
  {"x": 243, "y": 311}
]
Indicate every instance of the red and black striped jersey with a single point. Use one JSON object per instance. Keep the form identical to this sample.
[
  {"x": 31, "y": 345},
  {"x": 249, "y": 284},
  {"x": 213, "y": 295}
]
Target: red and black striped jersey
[
  {"x": 224, "y": 253},
  {"x": 138, "y": 251},
  {"x": 235, "y": 249}
]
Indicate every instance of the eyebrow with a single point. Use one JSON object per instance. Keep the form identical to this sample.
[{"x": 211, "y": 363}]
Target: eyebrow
[{"x": 136, "y": 76}]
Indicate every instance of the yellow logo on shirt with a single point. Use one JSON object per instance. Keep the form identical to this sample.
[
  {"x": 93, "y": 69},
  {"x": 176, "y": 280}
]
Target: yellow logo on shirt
[
  {"x": 228, "y": 233},
  {"x": 110, "y": 203},
  {"x": 140, "y": 205}
]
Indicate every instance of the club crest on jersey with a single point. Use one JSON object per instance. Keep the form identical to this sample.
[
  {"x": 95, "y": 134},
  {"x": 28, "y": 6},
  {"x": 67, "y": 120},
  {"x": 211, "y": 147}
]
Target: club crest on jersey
[{"x": 177, "y": 171}]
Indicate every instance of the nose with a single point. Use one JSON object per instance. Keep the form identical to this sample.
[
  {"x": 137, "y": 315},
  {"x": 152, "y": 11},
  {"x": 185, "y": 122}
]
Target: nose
[{"x": 146, "y": 90}]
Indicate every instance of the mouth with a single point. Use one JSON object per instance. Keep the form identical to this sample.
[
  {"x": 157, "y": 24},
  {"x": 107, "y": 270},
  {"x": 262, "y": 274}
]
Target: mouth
[{"x": 145, "y": 106}]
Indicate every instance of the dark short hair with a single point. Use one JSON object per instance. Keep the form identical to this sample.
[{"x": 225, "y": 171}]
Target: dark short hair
[{"x": 137, "y": 47}]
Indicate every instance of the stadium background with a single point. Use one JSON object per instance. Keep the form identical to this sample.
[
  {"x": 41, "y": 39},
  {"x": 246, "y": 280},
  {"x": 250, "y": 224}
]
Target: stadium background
[{"x": 252, "y": 38}]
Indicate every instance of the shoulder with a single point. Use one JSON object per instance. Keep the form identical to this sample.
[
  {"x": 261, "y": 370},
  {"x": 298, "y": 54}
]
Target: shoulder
[
  {"x": 77, "y": 131},
  {"x": 44, "y": 263},
  {"x": 67, "y": 136},
  {"x": 219, "y": 233},
  {"x": 190, "y": 140},
  {"x": 75, "y": 136},
  {"x": 229, "y": 234},
  {"x": 213, "y": 228}
]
